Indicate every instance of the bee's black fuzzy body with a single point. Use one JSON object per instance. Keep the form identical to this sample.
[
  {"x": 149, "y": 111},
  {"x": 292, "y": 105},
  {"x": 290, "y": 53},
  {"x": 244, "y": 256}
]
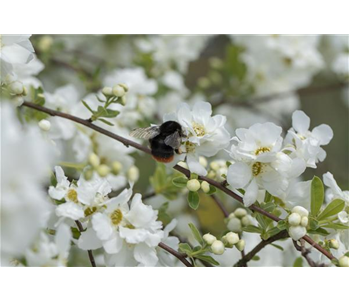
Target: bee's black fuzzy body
[{"x": 160, "y": 151}]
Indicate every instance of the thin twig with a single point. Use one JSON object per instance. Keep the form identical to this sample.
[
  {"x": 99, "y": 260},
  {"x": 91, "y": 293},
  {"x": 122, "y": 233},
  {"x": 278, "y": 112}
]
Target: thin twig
[
  {"x": 175, "y": 253},
  {"x": 305, "y": 253},
  {"x": 93, "y": 264},
  {"x": 220, "y": 205},
  {"x": 243, "y": 261},
  {"x": 186, "y": 172}
]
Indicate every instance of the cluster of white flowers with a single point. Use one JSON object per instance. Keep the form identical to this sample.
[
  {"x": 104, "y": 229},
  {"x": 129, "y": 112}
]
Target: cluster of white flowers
[
  {"x": 127, "y": 229},
  {"x": 279, "y": 63},
  {"x": 205, "y": 135},
  {"x": 168, "y": 50},
  {"x": 263, "y": 160},
  {"x": 24, "y": 206}
]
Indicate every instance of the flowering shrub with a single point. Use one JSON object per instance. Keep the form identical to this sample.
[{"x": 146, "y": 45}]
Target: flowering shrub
[{"x": 78, "y": 189}]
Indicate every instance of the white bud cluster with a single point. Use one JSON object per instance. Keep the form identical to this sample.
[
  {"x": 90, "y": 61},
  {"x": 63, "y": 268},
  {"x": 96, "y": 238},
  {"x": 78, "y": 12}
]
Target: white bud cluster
[
  {"x": 238, "y": 219},
  {"x": 298, "y": 221},
  {"x": 218, "y": 170},
  {"x": 45, "y": 125},
  {"x": 232, "y": 239},
  {"x": 16, "y": 89},
  {"x": 194, "y": 185},
  {"x": 115, "y": 167}
]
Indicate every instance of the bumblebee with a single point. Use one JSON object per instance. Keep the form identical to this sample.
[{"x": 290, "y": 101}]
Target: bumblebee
[{"x": 164, "y": 140}]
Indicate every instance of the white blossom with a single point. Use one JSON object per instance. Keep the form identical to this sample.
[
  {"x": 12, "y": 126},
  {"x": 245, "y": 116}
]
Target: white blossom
[
  {"x": 260, "y": 163},
  {"x": 15, "y": 50},
  {"x": 25, "y": 163},
  {"x": 206, "y": 135},
  {"x": 306, "y": 144}
]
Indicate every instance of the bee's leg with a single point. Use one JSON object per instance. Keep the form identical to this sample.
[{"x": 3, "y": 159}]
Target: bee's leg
[{"x": 178, "y": 151}]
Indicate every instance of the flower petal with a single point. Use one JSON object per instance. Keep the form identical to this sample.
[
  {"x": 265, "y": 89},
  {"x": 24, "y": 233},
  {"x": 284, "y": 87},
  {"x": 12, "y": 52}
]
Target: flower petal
[
  {"x": 145, "y": 255},
  {"x": 251, "y": 193},
  {"x": 89, "y": 241},
  {"x": 323, "y": 133},
  {"x": 239, "y": 175},
  {"x": 300, "y": 121}
]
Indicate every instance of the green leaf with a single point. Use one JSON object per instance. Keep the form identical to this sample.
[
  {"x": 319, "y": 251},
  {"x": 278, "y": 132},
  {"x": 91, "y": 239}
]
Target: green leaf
[
  {"x": 317, "y": 195},
  {"x": 106, "y": 122},
  {"x": 193, "y": 200},
  {"x": 180, "y": 182},
  {"x": 313, "y": 224},
  {"x": 268, "y": 197},
  {"x": 185, "y": 248},
  {"x": 346, "y": 254},
  {"x": 256, "y": 258},
  {"x": 252, "y": 229},
  {"x": 335, "y": 226},
  {"x": 282, "y": 225},
  {"x": 333, "y": 208},
  {"x": 212, "y": 190},
  {"x": 298, "y": 262},
  {"x": 277, "y": 247},
  {"x": 208, "y": 259},
  {"x": 273, "y": 231},
  {"x": 111, "y": 113},
  {"x": 319, "y": 231},
  {"x": 194, "y": 176},
  {"x": 87, "y": 106},
  {"x": 196, "y": 234}
]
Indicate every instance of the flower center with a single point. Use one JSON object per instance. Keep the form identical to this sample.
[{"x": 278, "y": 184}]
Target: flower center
[
  {"x": 116, "y": 217},
  {"x": 262, "y": 150},
  {"x": 90, "y": 210},
  {"x": 189, "y": 147},
  {"x": 257, "y": 168},
  {"x": 72, "y": 195},
  {"x": 199, "y": 129}
]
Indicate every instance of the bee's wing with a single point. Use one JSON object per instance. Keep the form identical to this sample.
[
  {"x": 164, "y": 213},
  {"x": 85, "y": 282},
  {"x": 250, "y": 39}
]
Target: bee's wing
[
  {"x": 173, "y": 140},
  {"x": 146, "y": 133}
]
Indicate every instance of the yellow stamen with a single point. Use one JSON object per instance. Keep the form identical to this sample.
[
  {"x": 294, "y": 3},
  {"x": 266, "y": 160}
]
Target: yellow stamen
[
  {"x": 72, "y": 195},
  {"x": 116, "y": 217}
]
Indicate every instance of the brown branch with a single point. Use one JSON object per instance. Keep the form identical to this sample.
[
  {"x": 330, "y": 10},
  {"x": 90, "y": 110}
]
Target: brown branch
[
  {"x": 175, "y": 253},
  {"x": 243, "y": 261},
  {"x": 93, "y": 264},
  {"x": 220, "y": 205},
  {"x": 186, "y": 172},
  {"x": 305, "y": 253}
]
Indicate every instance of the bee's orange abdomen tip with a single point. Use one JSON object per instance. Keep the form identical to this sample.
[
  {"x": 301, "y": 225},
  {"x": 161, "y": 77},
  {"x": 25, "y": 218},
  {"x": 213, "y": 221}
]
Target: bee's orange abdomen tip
[{"x": 163, "y": 159}]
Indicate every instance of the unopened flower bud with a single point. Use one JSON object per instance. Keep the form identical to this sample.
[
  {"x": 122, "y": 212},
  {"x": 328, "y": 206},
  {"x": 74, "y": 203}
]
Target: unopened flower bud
[
  {"x": 45, "y": 43},
  {"x": 25, "y": 91},
  {"x": 107, "y": 91},
  {"x": 344, "y": 261},
  {"x": 304, "y": 221},
  {"x": 205, "y": 186},
  {"x": 16, "y": 88},
  {"x": 88, "y": 174},
  {"x": 94, "y": 160},
  {"x": 231, "y": 215},
  {"x": 103, "y": 170},
  {"x": 133, "y": 174},
  {"x": 45, "y": 125},
  {"x": 209, "y": 238},
  {"x": 123, "y": 100},
  {"x": 232, "y": 238},
  {"x": 116, "y": 167},
  {"x": 240, "y": 245},
  {"x": 193, "y": 185},
  {"x": 18, "y": 100},
  {"x": 203, "y": 161},
  {"x": 234, "y": 224},
  {"x": 240, "y": 212},
  {"x": 246, "y": 220},
  {"x": 118, "y": 90},
  {"x": 125, "y": 87},
  {"x": 214, "y": 165},
  {"x": 297, "y": 232},
  {"x": 215, "y": 62},
  {"x": 334, "y": 244},
  {"x": 204, "y": 82},
  {"x": 294, "y": 219},
  {"x": 217, "y": 247},
  {"x": 301, "y": 211},
  {"x": 9, "y": 78},
  {"x": 183, "y": 164},
  {"x": 211, "y": 174}
]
